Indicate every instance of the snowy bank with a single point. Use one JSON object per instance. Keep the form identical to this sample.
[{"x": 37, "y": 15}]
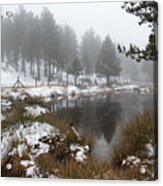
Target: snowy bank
[
  {"x": 49, "y": 93},
  {"x": 29, "y": 142},
  {"x": 25, "y": 136},
  {"x": 35, "y": 110}
]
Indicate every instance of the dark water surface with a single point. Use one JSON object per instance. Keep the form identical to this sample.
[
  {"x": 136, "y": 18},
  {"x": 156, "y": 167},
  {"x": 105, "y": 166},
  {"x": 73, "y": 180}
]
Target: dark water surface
[{"x": 101, "y": 115}]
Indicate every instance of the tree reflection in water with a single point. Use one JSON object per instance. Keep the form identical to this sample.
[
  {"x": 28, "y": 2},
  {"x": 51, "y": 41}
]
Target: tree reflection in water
[{"x": 101, "y": 114}]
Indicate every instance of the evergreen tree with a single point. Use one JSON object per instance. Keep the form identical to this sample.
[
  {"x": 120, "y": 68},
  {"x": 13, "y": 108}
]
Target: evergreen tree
[
  {"x": 108, "y": 64},
  {"x": 68, "y": 47},
  {"x": 75, "y": 69},
  {"x": 37, "y": 47},
  {"x": 30, "y": 37},
  {"x": 147, "y": 12},
  {"x": 20, "y": 24},
  {"x": 7, "y": 39},
  {"x": 89, "y": 50},
  {"x": 48, "y": 29}
]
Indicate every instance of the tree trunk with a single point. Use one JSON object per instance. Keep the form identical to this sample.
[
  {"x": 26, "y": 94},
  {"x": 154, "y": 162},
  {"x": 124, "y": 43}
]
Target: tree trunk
[
  {"x": 45, "y": 69},
  {"x": 2, "y": 55},
  {"x": 53, "y": 68},
  {"x": 67, "y": 78},
  {"x": 75, "y": 78},
  {"x": 31, "y": 68},
  {"x": 33, "y": 72},
  {"x": 38, "y": 68},
  {"x": 49, "y": 67},
  {"x": 60, "y": 79},
  {"x": 108, "y": 81},
  {"x": 23, "y": 66}
]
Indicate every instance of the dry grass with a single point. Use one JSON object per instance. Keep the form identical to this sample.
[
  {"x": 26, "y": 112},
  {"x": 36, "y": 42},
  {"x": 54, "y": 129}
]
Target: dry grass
[
  {"x": 90, "y": 169},
  {"x": 34, "y": 101},
  {"x": 46, "y": 164},
  {"x": 15, "y": 117},
  {"x": 16, "y": 171},
  {"x": 134, "y": 136},
  {"x": 59, "y": 161},
  {"x": 65, "y": 128}
]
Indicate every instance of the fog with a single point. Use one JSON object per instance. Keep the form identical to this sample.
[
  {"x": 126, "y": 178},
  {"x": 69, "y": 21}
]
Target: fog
[
  {"x": 73, "y": 38},
  {"x": 104, "y": 18}
]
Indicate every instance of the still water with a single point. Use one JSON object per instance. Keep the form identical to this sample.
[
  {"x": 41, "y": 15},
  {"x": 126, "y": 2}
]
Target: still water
[{"x": 101, "y": 115}]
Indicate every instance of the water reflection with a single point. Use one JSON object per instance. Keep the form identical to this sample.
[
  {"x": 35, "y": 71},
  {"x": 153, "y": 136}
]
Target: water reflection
[{"x": 101, "y": 114}]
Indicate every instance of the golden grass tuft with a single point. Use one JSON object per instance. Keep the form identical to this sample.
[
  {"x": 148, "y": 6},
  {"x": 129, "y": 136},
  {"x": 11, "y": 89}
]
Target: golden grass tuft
[
  {"x": 134, "y": 136},
  {"x": 46, "y": 164},
  {"x": 89, "y": 169}
]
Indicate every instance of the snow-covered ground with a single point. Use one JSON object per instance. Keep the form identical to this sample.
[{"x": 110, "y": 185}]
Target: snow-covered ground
[
  {"x": 81, "y": 151},
  {"x": 48, "y": 93},
  {"x": 33, "y": 140},
  {"x": 6, "y": 105},
  {"x": 143, "y": 164},
  {"x": 9, "y": 76},
  {"x": 35, "y": 110},
  {"x": 28, "y": 141},
  {"x": 133, "y": 87},
  {"x": 26, "y": 136}
]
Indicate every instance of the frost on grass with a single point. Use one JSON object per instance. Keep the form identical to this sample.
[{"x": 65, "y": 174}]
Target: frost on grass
[
  {"x": 27, "y": 163},
  {"x": 27, "y": 136},
  {"x": 79, "y": 152},
  {"x": 145, "y": 164},
  {"x": 30, "y": 142},
  {"x": 131, "y": 161},
  {"x": 35, "y": 110}
]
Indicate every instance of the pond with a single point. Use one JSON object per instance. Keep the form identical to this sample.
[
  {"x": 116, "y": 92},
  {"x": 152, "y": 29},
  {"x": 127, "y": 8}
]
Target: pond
[{"x": 101, "y": 115}]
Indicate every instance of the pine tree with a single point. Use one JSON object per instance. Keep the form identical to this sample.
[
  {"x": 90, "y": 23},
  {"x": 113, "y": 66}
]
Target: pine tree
[
  {"x": 89, "y": 50},
  {"x": 75, "y": 69},
  {"x": 20, "y": 24},
  {"x": 147, "y": 12},
  {"x": 108, "y": 64},
  {"x": 68, "y": 48},
  {"x": 48, "y": 29}
]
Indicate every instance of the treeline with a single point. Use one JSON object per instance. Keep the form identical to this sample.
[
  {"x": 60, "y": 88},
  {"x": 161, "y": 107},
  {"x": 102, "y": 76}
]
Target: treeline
[{"x": 39, "y": 41}]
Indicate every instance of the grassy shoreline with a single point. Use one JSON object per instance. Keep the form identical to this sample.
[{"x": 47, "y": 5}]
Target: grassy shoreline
[{"x": 133, "y": 158}]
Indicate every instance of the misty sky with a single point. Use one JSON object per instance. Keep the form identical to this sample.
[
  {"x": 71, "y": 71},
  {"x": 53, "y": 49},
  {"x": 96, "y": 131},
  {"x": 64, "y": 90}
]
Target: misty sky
[{"x": 104, "y": 18}]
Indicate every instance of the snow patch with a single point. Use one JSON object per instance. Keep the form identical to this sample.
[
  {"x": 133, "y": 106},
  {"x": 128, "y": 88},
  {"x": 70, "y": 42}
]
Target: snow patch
[
  {"x": 27, "y": 163},
  {"x": 2, "y": 117},
  {"x": 26, "y": 136},
  {"x": 35, "y": 110},
  {"x": 150, "y": 149},
  {"x": 131, "y": 161},
  {"x": 31, "y": 171},
  {"x": 72, "y": 90},
  {"x": 6, "y": 105},
  {"x": 80, "y": 152}
]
